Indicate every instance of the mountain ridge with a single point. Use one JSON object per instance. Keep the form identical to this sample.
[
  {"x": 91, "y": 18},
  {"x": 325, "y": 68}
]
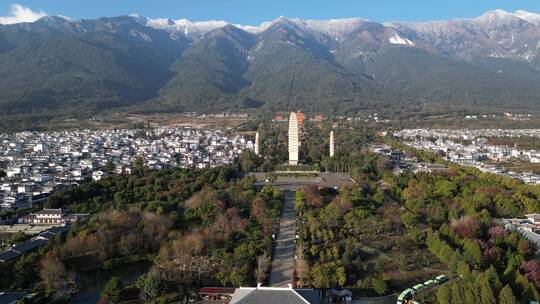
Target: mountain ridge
[{"x": 333, "y": 65}]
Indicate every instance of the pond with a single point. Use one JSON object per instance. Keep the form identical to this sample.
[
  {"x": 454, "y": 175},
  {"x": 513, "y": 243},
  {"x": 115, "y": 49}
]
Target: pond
[{"x": 92, "y": 282}]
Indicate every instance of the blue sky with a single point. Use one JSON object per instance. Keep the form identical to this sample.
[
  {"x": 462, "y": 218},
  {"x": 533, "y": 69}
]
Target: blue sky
[{"x": 255, "y": 11}]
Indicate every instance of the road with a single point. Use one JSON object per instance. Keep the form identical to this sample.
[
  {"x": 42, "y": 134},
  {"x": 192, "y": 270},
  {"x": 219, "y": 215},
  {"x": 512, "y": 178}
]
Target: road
[{"x": 282, "y": 272}]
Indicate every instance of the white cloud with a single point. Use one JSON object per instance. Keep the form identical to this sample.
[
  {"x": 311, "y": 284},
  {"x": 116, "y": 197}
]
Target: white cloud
[{"x": 20, "y": 13}]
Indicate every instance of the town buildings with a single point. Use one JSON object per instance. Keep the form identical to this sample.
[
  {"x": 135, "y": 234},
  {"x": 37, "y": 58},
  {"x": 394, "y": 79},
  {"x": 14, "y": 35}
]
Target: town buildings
[
  {"x": 471, "y": 148},
  {"x": 528, "y": 227},
  {"x": 38, "y": 163}
]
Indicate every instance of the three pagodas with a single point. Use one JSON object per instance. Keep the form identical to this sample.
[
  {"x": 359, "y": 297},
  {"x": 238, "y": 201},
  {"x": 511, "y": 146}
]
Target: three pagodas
[{"x": 294, "y": 140}]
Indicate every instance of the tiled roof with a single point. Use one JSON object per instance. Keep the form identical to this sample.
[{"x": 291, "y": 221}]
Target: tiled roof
[
  {"x": 216, "y": 290},
  {"x": 11, "y": 297},
  {"x": 50, "y": 211},
  {"x": 269, "y": 295},
  {"x": 30, "y": 245},
  {"x": 9, "y": 255},
  {"x": 47, "y": 235},
  {"x": 59, "y": 230}
]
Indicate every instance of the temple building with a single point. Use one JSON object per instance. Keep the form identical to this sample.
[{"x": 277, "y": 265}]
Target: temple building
[{"x": 293, "y": 139}]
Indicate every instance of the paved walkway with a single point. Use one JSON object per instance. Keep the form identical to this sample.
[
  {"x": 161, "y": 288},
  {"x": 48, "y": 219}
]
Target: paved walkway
[{"x": 282, "y": 272}]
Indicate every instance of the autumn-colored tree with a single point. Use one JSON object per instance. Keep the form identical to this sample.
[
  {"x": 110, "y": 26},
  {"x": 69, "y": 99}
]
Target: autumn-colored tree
[
  {"x": 156, "y": 227},
  {"x": 313, "y": 196},
  {"x": 52, "y": 272},
  {"x": 466, "y": 227},
  {"x": 531, "y": 269},
  {"x": 301, "y": 264},
  {"x": 129, "y": 243},
  {"x": 263, "y": 265}
]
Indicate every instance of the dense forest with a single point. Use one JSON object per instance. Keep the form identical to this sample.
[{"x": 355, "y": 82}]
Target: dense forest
[
  {"x": 355, "y": 237},
  {"x": 455, "y": 216},
  {"x": 451, "y": 214},
  {"x": 197, "y": 227}
]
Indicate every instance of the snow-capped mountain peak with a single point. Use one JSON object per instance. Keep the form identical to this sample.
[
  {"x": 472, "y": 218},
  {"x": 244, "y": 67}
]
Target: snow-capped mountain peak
[
  {"x": 161, "y": 23},
  {"x": 498, "y": 18},
  {"x": 182, "y": 25},
  {"x": 397, "y": 39},
  {"x": 528, "y": 16},
  {"x": 198, "y": 27}
]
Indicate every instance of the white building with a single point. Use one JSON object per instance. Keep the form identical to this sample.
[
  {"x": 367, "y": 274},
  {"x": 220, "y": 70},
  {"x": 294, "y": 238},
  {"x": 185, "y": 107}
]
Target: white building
[
  {"x": 41, "y": 148},
  {"x": 98, "y": 175},
  {"x": 47, "y": 217}
]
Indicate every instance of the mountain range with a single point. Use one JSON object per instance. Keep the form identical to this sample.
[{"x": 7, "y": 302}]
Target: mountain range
[{"x": 491, "y": 62}]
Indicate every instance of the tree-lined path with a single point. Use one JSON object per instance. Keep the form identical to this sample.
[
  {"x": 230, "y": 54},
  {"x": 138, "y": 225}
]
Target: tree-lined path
[
  {"x": 282, "y": 272},
  {"x": 283, "y": 263}
]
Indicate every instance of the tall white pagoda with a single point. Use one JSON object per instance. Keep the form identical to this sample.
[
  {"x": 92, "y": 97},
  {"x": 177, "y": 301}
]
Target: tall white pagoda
[
  {"x": 332, "y": 144},
  {"x": 293, "y": 139},
  {"x": 257, "y": 143}
]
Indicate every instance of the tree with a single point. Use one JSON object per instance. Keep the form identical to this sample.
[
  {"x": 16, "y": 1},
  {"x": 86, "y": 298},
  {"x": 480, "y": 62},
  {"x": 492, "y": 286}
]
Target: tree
[
  {"x": 313, "y": 196},
  {"x": 110, "y": 166},
  {"x": 112, "y": 291},
  {"x": 53, "y": 271},
  {"x": 263, "y": 265},
  {"x": 410, "y": 220},
  {"x": 149, "y": 285},
  {"x": 302, "y": 265},
  {"x": 248, "y": 160},
  {"x": 456, "y": 292},
  {"x": 379, "y": 285},
  {"x": 493, "y": 278},
  {"x": 506, "y": 296},
  {"x": 326, "y": 275},
  {"x": 466, "y": 227},
  {"x": 486, "y": 293},
  {"x": 139, "y": 168},
  {"x": 299, "y": 201},
  {"x": 444, "y": 295},
  {"x": 531, "y": 269},
  {"x": 17, "y": 237}
]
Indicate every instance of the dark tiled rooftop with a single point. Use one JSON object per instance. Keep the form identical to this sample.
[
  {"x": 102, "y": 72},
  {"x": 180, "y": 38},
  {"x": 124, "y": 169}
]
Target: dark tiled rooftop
[
  {"x": 29, "y": 246},
  {"x": 282, "y": 296},
  {"x": 11, "y": 297},
  {"x": 50, "y": 211},
  {"x": 9, "y": 255}
]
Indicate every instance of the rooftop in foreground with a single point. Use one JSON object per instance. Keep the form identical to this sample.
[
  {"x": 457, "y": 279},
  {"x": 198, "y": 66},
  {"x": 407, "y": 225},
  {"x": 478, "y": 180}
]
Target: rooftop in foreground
[{"x": 274, "y": 295}]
